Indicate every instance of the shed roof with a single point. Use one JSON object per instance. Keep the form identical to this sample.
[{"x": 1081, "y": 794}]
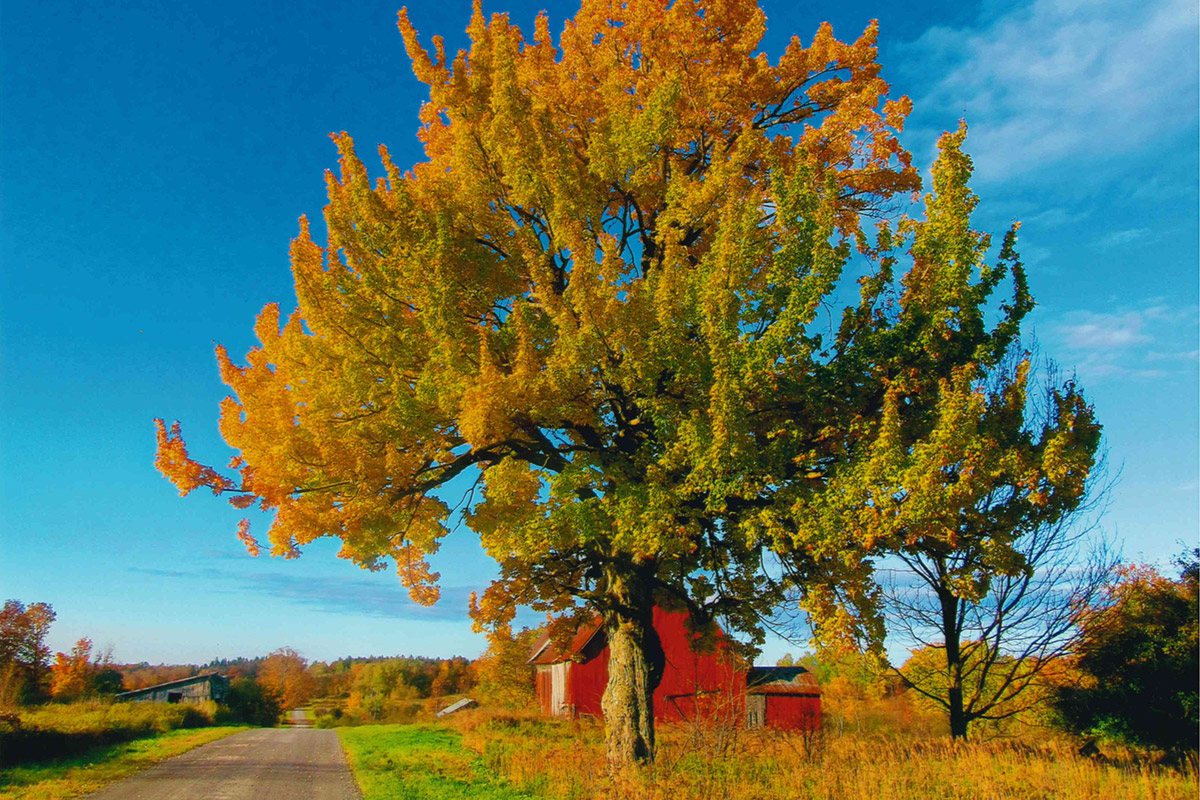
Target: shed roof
[
  {"x": 458, "y": 706},
  {"x": 782, "y": 680}
]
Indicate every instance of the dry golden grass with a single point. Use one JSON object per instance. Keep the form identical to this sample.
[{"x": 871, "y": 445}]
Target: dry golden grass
[{"x": 565, "y": 761}]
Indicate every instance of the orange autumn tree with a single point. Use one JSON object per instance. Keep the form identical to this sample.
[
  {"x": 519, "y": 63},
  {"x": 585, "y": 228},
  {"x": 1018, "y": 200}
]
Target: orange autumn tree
[
  {"x": 284, "y": 673},
  {"x": 72, "y": 674},
  {"x": 602, "y": 299}
]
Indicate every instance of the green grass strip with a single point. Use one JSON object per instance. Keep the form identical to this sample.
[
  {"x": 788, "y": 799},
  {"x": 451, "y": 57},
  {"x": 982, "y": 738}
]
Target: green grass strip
[
  {"x": 71, "y": 777},
  {"x": 419, "y": 762}
]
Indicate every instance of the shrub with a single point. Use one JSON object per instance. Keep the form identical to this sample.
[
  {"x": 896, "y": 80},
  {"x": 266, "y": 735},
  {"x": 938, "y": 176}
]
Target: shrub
[
  {"x": 250, "y": 703},
  {"x": 1137, "y": 658},
  {"x": 65, "y": 729}
]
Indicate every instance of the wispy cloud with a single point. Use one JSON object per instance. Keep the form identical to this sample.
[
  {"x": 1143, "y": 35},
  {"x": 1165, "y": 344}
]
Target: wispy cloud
[
  {"x": 361, "y": 597},
  {"x": 1125, "y": 342},
  {"x": 1180, "y": 355},
  {"x": 1090, "y": 330},
  {"x": 1123, "y": 237},
  {"x": 1055, "y": 81},
  {"x": 1055, "y": 217},
  {"x": 356, "y": 596}
]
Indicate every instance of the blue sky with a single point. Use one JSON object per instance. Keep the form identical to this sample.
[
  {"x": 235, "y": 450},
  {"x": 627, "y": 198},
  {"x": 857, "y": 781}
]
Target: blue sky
[{"x": 156, "y": 156}]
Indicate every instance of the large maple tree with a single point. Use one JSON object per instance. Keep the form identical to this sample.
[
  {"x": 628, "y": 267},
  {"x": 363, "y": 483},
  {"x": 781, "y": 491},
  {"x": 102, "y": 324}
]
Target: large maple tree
[{"x": 606, "y": 295}]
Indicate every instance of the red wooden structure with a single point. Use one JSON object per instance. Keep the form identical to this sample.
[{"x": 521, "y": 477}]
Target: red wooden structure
[
  {"x": 787, "y": 698},
  {"x": 696, "y": 683}
]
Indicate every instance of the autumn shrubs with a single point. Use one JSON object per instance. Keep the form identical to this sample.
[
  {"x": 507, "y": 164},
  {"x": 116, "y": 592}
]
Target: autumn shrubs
[
  {"x": 58, "y": 730},
  {"x": 1137, "y": 664}
]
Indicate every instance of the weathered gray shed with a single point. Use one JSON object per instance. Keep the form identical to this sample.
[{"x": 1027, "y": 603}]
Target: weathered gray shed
[{"x": 196, "y": 689}]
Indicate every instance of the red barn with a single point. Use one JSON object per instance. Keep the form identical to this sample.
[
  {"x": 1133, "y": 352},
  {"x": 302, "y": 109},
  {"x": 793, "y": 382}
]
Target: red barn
[
  {"x": 787, "y": 698},
  {"x": 571, "y": 681}
]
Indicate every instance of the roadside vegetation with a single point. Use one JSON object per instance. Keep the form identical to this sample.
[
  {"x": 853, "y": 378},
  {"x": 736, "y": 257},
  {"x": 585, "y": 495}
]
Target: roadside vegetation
[
  {"x": 59, "y": 730},
  {"x": 82, "y": 774},
  {"x": 874, "y": 751}
]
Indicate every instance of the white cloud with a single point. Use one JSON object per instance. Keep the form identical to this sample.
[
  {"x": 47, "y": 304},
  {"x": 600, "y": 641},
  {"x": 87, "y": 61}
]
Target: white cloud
[
  {"x": 1125, "y": 342},
  {"x": 1061, "y": 80},
  {"x": 1088, "y": 330},
  {"x": 1054, "y": 217},
  {"x": 1182, "y": 355},
  {"x": 1124, "y": 237}
]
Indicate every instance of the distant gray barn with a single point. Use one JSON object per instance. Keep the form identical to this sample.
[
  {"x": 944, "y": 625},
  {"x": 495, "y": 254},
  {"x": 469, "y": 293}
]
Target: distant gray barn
[{"x": 195, "y": 689}]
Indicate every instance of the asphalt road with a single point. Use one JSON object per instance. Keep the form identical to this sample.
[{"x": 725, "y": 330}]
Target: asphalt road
[{"x": 261, "y": 764}]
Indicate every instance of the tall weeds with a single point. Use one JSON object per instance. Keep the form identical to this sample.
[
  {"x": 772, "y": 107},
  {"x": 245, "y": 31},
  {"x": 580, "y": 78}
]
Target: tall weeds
[
  {"x": 564, "y": 760},
  {"x": 64, "y": 729}
]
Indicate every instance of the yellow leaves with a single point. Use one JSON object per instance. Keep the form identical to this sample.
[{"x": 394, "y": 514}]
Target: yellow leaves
[
  {"x": 426, "y": 69},
  {"x": 511, "y": 491}
]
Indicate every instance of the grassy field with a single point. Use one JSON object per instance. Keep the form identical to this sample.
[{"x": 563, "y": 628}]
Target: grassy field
[
  {"x": 79, "y": 775},
  {"x": 419, "y": 762},
  {"x": 564, "y": 761}
]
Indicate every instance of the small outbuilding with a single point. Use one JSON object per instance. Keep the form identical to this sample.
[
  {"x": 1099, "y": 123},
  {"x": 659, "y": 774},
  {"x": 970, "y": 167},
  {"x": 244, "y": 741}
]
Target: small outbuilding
[
  {"x": 196, "y": 689},
  {"x": 787, "y": 698}
]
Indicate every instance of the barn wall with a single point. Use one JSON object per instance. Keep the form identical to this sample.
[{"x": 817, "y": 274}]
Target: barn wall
[
  {"x": 553, "y": 687},
  {"x": 560, "y": 698},
  {"x": 587, "y": 681},
  {"x": 213, "y": 688},
  {"x": 793, "y": 712},
  {"x": 695, "y": 684}
]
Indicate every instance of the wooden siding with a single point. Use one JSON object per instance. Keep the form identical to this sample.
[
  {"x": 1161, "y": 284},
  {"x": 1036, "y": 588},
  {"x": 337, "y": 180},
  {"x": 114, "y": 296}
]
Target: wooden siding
[
  {"x": 197, "y": 689},
  {"x": 792, "y": 712}
]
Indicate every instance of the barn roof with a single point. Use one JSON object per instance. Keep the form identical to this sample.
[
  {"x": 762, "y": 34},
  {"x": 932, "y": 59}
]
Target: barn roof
[
  {"x": 781, "y": 680},
  {"x": 545, "y": 651},
  {"x": 207, "y": 676}
]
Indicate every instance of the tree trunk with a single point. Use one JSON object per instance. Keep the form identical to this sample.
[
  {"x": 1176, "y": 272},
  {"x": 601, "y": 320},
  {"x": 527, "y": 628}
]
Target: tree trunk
[
  {"x": 635, "y": 665},
  {"x": 954, "y": 665}
]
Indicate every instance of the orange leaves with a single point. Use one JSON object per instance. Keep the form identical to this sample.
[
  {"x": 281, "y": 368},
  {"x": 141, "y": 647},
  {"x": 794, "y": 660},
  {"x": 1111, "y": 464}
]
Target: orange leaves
[
  {"x": 244, "y": 535},
  {"x": 72, "y": 673},
  {"x": 172, "y": 460}
]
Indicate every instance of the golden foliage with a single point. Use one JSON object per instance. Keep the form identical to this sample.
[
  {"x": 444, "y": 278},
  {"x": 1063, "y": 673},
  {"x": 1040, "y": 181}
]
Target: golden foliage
[{"x": 600, "y": 292}]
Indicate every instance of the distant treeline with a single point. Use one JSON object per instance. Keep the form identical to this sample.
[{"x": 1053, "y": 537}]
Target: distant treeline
[{"x": 366, "y": 682}]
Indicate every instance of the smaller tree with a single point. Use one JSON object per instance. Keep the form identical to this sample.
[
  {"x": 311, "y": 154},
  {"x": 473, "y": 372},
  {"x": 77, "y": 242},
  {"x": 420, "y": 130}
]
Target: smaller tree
[
  {"x": 71, "y": 675},
  {"x": 108, "y": 681},
  {"x": 1137, "y": 659},
  {"x": 24, "y": 655},
  {"x": 502, "y": 673},
  {"x": 994, "y": 555},
  {"x": 998, "y": 655},
  {"x": 80, "y": 673},
  {"x": 284, "y": 673}
]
